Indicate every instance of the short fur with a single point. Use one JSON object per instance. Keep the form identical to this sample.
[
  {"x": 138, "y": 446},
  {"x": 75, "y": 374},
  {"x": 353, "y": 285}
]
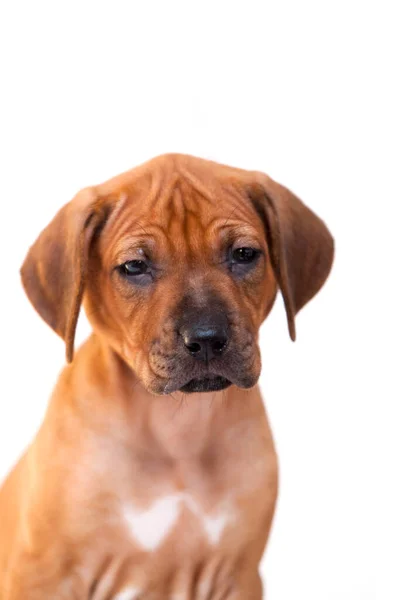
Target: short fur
[{"x": 132, "y": 489}]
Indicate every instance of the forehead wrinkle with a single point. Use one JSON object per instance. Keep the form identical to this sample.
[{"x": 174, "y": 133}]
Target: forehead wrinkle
[
  {"x": 219, "y": 226},
  {"x": 184, "y": 235},
  {"x": 135, "y": 236},
  {"x": 242, "y": 211},
  {"x": 166, "y": 191},
  {"x": 176, "y": 207},
  {"x": 127, "y": 201},
  {"x": 207, "y": 192},
  {"x": 149, "y": 189},
  {"x": 150, "y": 199},
  {"x": 194, "y": 231},
  {"x": 180, "y": 204},
  {"x": 116, "y": 211},
  {"x": 131, "y": 244}
]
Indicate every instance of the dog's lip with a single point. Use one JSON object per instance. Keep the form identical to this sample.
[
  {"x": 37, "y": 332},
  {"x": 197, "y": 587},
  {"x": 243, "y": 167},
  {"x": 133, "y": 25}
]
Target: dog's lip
[
  {"x": 206, "y": 384},
  {"x": 243, "y": 378}
]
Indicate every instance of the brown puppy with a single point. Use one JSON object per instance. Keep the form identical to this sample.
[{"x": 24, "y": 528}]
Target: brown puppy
[{"x": 140, "y": 483}]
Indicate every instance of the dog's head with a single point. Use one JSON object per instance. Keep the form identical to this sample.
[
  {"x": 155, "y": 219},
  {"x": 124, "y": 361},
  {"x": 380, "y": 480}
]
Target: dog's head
[{"x": 178, "y": 263}]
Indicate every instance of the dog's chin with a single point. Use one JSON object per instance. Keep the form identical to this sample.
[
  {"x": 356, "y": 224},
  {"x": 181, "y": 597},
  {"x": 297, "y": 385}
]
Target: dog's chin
[{"x": 206, "y": 384}]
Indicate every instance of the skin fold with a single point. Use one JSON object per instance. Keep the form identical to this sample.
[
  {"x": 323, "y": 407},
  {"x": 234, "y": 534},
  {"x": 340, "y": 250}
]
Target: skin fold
[{"x": 154, "y": 474}]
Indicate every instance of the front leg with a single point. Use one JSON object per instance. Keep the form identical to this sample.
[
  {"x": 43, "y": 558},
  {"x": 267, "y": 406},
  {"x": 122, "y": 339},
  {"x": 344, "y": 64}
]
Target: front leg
[
  {"x": 249, "y": 589},
  {"x": 253, "y": 590},
  {"x": 35, "y": 579}
]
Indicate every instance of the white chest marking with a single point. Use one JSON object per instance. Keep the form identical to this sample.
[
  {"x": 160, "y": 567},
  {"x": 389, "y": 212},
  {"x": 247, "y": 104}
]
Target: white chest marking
[
  {"x": 215, "y": 526},
  {"x": 149, "y": 527},
  {"x": 129, "y": 593}
]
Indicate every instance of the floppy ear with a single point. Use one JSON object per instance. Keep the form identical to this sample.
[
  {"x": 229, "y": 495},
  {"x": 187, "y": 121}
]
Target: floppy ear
[
  {"x": 54, "y": 271},
  {"x": 301, "y": 246}
]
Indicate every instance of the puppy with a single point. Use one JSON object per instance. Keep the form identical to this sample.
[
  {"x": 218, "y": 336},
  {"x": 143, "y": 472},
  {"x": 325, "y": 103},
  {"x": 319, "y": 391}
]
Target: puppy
[{"x": 154, "y": 474}]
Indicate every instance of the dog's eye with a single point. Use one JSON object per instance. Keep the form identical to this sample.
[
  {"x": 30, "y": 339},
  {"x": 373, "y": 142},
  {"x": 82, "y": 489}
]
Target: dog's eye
[
  {"x": 133, "y": 268},
  {"x": 244, "y": 255},
  {"x": 242, "y": 260}
]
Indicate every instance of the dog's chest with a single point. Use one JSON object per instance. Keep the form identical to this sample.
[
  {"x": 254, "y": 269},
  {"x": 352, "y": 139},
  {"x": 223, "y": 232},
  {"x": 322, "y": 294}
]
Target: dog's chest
[
  {"x": 182, "y": 542},
  {"x": 175, "y": 548},
  {"x": 199, "y": 501},
  {"x": 172, "y": 528}
]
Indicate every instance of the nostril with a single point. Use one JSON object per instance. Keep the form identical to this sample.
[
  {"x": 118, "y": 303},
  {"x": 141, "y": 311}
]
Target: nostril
[
  {"x": 204, "y": 342},
  {"x": 218, "y": 346},
  {"x": 194, "y": 348}
]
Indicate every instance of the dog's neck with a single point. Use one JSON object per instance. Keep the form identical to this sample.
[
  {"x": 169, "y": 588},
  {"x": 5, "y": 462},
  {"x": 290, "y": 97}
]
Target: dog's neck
[{"x": 176, "y": 426}]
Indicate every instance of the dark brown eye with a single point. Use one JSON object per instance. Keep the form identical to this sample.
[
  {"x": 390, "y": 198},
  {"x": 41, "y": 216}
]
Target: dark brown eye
[
  {"x": 244, "y": 255},
  {"x": 133, "y": 268}
]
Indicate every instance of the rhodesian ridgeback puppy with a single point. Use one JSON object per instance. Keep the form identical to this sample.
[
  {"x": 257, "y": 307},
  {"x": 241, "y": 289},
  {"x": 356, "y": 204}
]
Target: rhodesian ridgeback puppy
[{"x": 154, "y": 474}]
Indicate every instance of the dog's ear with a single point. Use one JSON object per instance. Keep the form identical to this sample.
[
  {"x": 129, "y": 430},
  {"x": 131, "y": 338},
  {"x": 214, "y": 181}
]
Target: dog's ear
[
  {"x": 301, "y": 246},
  {"x": 54, "y": 271}
]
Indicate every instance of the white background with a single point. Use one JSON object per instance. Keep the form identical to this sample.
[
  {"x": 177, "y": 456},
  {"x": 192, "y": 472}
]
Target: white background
[{"x": 306, "y": 91}]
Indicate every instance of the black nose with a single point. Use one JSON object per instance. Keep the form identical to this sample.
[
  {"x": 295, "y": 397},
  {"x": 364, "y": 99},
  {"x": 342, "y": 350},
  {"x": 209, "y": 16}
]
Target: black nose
[{"x": 206, "y": 340}]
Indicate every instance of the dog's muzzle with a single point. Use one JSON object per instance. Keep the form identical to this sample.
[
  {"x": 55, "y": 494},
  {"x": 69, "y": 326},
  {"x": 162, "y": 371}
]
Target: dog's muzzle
[
  {"x": 206, "y": 340},
  {"x": 204, "y": 350}
]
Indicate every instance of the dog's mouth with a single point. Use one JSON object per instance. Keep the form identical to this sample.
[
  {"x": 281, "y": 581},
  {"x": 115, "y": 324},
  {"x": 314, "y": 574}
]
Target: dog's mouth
[{"x": 206, "y": 384}]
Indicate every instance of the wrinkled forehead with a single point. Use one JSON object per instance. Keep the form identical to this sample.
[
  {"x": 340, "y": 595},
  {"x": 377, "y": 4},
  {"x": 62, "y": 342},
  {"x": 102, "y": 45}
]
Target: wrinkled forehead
[{"x": 184, "y": 214}]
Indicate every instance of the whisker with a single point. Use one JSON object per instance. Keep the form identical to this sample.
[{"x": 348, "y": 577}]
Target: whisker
[
  {"x": 235, "y": 208},
  {"x": 135, "y": 384},
  {"x": 180, "y": 402},
  {"x": 212, "y": 399},
  {"x": 142, "y": 228}
]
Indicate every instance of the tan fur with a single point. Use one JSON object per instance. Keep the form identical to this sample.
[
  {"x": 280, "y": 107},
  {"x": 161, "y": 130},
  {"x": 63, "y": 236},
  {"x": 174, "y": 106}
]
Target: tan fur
[{"x": 120, "y": 444}]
